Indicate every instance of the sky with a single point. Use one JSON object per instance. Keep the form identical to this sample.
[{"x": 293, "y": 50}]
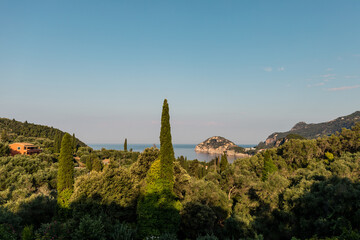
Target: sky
[{"x": 237, "y": 69}]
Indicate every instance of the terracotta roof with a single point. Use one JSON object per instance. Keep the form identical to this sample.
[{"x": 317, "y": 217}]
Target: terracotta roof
[
  {"x": 106, "y": 161},
  {"x": 24, "y": 144}
]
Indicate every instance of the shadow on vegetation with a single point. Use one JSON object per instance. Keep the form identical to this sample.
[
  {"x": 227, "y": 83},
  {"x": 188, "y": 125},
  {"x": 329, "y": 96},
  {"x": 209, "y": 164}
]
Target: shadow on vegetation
[
  {"x": 93, "y": 207},
  {"x": 330, "y": 208},
  {"x": 37, "y": 211},
  {"x": 88, "y": 219}
]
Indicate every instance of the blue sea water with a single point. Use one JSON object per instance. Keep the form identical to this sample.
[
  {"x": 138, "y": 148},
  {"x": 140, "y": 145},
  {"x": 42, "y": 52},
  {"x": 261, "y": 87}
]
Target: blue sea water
[{"x": 186, "y": 150}]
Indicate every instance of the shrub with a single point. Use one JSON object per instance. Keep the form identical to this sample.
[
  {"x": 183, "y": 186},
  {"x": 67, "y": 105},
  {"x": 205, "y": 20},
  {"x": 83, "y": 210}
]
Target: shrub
[
  {"x": 28, "y": 233},
  {"x": 122, "y": 231},
  {"x": 7, "y": 232},
  {"x": 90, "y": 229},
  {"x": 4, "y": 150},
  {"x": 197, "y": 219},
  {"x": 168, "y": 236},
  {"x": 207, "y": 237},
  {"x": 53, "y": 230}
]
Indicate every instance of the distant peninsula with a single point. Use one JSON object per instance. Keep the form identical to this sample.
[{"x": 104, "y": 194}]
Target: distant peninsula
[{"x": 219, "y": 145}]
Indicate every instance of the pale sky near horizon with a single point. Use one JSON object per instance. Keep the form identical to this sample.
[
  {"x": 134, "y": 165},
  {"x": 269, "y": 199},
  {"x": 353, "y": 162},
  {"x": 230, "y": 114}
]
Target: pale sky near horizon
[{"x": 237, "y": 69}]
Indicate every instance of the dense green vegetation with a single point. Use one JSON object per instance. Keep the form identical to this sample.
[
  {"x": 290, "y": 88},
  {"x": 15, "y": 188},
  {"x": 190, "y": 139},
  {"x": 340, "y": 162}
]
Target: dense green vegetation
[
  {"x": 48, "y": 138},
  {"x": 4, "y": 149},
  {"x": 304, "y": 189},
  {"x": 313, "y": 130}
]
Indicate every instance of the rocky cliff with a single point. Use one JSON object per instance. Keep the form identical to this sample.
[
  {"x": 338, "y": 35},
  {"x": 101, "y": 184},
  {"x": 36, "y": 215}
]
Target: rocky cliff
[
  {"x": 219, "y": 145},
  {"x": 312, "y": 130}
]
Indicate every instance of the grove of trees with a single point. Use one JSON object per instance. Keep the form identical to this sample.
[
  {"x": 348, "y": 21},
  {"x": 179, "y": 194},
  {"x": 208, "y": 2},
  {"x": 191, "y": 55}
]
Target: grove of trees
[{"x": 304, "y": 189}]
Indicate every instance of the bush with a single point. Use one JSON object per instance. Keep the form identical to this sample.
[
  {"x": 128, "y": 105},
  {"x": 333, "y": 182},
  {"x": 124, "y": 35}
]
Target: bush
[
  {"x": 165, "y": 236},
  {"x": 8, "y": 218},
  {"x": 168, "y": 236},
  {"x": 7, "y": 232},
  {"x": 197, "y": 219},
  {"x": 4, "y": 150},
  {"x": 122, "y": 231},
  {"x": 53, "y": 230},
  {"x": 28, "y": 233},
  {"x": 90, "y": 229},
  {"x": 36, "y": 210},
  {"x": 112, "y": 191},
  {"x": 207, "y": 237},
  {"x": 234, "y": 228}
]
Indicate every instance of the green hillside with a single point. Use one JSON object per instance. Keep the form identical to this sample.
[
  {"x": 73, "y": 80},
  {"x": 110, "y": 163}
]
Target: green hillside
[
  {"x": 16, "y": 131},
  {"x": 313, "y": 130}
]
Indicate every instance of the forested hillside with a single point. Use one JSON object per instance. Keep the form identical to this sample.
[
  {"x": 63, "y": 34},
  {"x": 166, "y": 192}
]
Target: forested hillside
[
  {"x": 43, "y": 136},
  {"x": 312, "y": 130},
  {"x": 304, "y": 189}
]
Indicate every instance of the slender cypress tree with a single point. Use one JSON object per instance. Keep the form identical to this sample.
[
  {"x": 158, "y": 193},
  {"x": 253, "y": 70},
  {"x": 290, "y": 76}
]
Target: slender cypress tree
[
  {"x": 158, "y": 209},
  {"x": 65, "y": 178},
  {"x": 167, "y": 155},
  {"x": 89, "y": 163},
  {"x": 223, "y": 162},
  {"x": 216, "y": 162},
  {"x": 74, "y": 142},
  {"x": 125, "y": 145},
  {"x": 57, "y": 142}
]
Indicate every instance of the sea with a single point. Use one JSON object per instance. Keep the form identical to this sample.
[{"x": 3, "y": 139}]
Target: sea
[{"x": 186, "y": 150}]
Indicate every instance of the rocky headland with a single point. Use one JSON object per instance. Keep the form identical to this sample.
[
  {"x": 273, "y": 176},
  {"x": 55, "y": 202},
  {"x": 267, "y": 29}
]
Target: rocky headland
[{"x": 219, "y": 145}]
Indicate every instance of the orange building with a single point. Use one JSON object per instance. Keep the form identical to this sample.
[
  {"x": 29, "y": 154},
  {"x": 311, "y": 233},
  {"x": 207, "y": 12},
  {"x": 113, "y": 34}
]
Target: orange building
[{"x": 24, "y": 149}]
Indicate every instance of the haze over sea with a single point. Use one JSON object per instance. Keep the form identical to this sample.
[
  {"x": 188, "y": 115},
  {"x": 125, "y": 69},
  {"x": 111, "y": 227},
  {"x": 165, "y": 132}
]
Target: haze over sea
[{"x": 186, "y": 150}]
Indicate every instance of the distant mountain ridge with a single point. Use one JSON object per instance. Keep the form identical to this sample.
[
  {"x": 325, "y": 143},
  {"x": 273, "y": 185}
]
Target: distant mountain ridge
[
  {"x": 312, "y": 130},
  {"x": 13, "y": 127}
]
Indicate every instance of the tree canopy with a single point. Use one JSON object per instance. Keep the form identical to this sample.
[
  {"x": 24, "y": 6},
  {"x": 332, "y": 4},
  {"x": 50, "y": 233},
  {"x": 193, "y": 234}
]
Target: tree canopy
[{"x": 304, "y": 189}]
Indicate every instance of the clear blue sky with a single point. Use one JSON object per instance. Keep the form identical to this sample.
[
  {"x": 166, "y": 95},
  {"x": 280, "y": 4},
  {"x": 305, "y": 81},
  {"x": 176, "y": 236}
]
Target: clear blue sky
[{"x": 238, "y": 69}]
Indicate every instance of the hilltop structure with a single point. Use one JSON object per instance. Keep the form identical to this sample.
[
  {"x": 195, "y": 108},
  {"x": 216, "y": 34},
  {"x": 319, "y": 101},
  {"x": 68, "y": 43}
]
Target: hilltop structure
[{"x": 24, "y": 149}]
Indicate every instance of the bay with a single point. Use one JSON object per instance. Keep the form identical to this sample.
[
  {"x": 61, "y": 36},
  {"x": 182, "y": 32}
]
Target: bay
[{"x": 186, "y": 150}]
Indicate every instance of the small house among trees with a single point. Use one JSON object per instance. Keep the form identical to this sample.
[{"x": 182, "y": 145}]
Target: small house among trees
[{"x": 24, "y": 149}]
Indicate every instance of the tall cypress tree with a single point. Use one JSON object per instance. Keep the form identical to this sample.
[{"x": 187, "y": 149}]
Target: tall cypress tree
[
  {"x": 65, "y": 177},
  {"x": 158, "y": 209},
  {"x": 167, "y": 155},
  {"x": 57, "y": 142},
  {"x": 216, "y": 162},
  {"x": 223, "y": 162},
  {"x": 74, "y": 143},
  {"x": 125, "y": 145}
]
